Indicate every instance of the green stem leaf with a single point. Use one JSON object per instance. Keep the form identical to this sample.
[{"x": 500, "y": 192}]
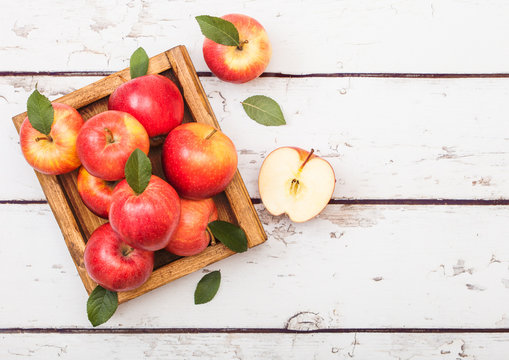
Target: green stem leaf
[
  {"x": 218, "y": 30},
  {"x": 101, "y": 305},
  {"x": 264, "y": 110},
  {"x": 138, "y": 171},
  {"x": 40, "y": 112},
  {"x": 139, "y": 63},
  {"x": 230, "y": 235},
  {"x": 207, "y": 287}
]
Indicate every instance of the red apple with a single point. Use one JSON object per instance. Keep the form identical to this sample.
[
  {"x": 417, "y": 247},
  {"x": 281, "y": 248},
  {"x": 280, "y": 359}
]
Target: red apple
[
  {"x": 96, "y": 193},
  {"x": 154, "y": 100},
  {"x": 198, "y": 160},
  {"x": 106, "y": 141},
  {"x": 296, "y": 182},
  {"x": 239, "y": 64},
  {"x": 54, "y": 154},
  {"x": 192, "y": 236},
  {"x": 147, "y": 220},
  {"x": 113, "y": 264}
]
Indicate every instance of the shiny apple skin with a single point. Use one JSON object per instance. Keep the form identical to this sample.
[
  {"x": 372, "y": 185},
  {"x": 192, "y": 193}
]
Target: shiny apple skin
[
  {"x": 198, "y": 168},
  {"x": 148, "y": 220},
  {"x": 104, "y": 156},
  {"x": 58, "y": 156},
  {"x": 154, "y": 100},
  {"x": 239, "y": 66},
  {"x": 108, "y": 266},
  {"x": 191, "y": 236},
  {"x": 96, "y": 193}
]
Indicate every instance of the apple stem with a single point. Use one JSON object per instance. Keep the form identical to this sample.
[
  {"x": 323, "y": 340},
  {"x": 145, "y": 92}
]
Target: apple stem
[
  {"x": 109, "y": 136},
  {"x": 212, "y": 238},
  {"x": 307, "y": 159},
  {"x": 241, "y": 45},
  {"x": 126, "y": 250},
  {"x": 48, "y": 137},
  {"x": 111, "y": 183},
  {"x": 211, "y": 133}
]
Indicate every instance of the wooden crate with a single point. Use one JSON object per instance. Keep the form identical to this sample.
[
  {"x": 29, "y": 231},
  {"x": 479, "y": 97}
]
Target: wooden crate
[{"x": 77, "y": 222}]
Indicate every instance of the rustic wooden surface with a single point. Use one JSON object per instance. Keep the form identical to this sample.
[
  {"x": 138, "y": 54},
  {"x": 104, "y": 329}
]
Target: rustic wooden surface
[
  {"x": 407, "y": 100},
  {"x": 77, "y": 222}
]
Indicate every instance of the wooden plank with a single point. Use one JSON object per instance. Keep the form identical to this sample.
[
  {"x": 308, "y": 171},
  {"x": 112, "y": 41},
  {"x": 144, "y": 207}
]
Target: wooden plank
[
  {"x": 78, "y": 223},
  {"x": 256, "y": 346},
  {"x": 386, "y": 138},
  {"x": 311, "y": 37},
  {"x": 370, "y": 266}
]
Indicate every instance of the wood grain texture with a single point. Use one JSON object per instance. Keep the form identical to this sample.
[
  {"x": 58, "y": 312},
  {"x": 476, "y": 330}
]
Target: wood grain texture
[
  {"x": 324, "y": 36},
  {"x": 355, "y": 266},
  {"x": 386, "y": 138},
  {"x": 391, "y": 138},
  {"x": 78, "y": 223},
  {"x": 257, "y": 346}
]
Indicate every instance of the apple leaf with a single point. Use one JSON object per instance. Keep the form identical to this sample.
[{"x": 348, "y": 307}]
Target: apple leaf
[
  {"x": 207, "y": 287},
  {"x": 139, "y": 63},
  {"x": 40, "y": 112},
  {"x": 230, "y": 235},
  {"x": 101, "y": 305},
  {"x": 218, "y": 30},
  {"x": 264, "y": 110},
  {"x": 138, "y": 171}
]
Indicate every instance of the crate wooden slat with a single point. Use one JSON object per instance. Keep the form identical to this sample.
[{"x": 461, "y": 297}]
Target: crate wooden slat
[{"x": 77, "y": 222}]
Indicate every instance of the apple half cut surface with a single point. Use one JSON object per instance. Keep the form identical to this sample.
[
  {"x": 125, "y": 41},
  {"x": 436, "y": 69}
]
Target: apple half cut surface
[{"x": 296, "y": 182}]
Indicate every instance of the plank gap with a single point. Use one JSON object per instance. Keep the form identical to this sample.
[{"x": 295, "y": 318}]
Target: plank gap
[
  {"x": 280, "y": 75},
  {"x": 256, "y": 201},
  {"x": 245, "y": 330}
]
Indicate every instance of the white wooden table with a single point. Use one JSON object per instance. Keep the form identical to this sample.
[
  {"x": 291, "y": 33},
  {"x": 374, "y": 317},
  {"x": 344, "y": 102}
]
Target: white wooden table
[{"x": 409, "y": 101}]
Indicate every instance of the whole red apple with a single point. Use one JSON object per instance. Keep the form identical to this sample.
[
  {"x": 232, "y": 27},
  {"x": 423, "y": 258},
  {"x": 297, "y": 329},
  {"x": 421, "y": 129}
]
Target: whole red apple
[
  {"x": 198, "y": 160},
  {"x": 96, "y": 193},
  {"x": 113, "y": 264},
  {"x": 192, "y": 236},
  {"x": 55, "y": 153},
  {"x": 154, "y": 100},
  {"x": 147, "y": 220},
  {"x": 239, "y": 64},
  {"x": 106, "y": 141}
]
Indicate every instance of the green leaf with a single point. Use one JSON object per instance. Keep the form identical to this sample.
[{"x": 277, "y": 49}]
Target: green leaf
[
  {"x": 101, "y": 305},
  {"x": 264, "y": 110},
  {"x": 207, "y": 287},
  {"x": 231, "y": 235},
  {"x": 218, "y": 30},
  {"x": 138, "y": 171},
  {"x": 40, "y": 112},
  {"x": 139, "y": 63}
]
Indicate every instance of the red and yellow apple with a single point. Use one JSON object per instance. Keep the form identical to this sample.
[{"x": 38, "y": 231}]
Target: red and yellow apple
[
  {"x": 96, "y": 193},
  {"x": 192, "y": 235},
  {"x": 107, "y": 140},
  {"x": 198, "y": 160},
  {"x": 147, "y": 220},
  {"x": 55, "y": 153},
  {"x": 295, "y": 182},
  {"x": 239, "y": 64},
  {"x": 113, "y": 264},
  {"x": 154, "y": 100}
]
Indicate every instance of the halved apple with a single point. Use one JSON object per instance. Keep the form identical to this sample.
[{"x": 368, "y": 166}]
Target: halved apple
[{"x": 296, "y": 182}]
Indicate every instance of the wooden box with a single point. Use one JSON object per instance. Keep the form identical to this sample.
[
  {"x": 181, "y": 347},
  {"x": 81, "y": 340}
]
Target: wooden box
[{"x": 77, "y": 223}]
